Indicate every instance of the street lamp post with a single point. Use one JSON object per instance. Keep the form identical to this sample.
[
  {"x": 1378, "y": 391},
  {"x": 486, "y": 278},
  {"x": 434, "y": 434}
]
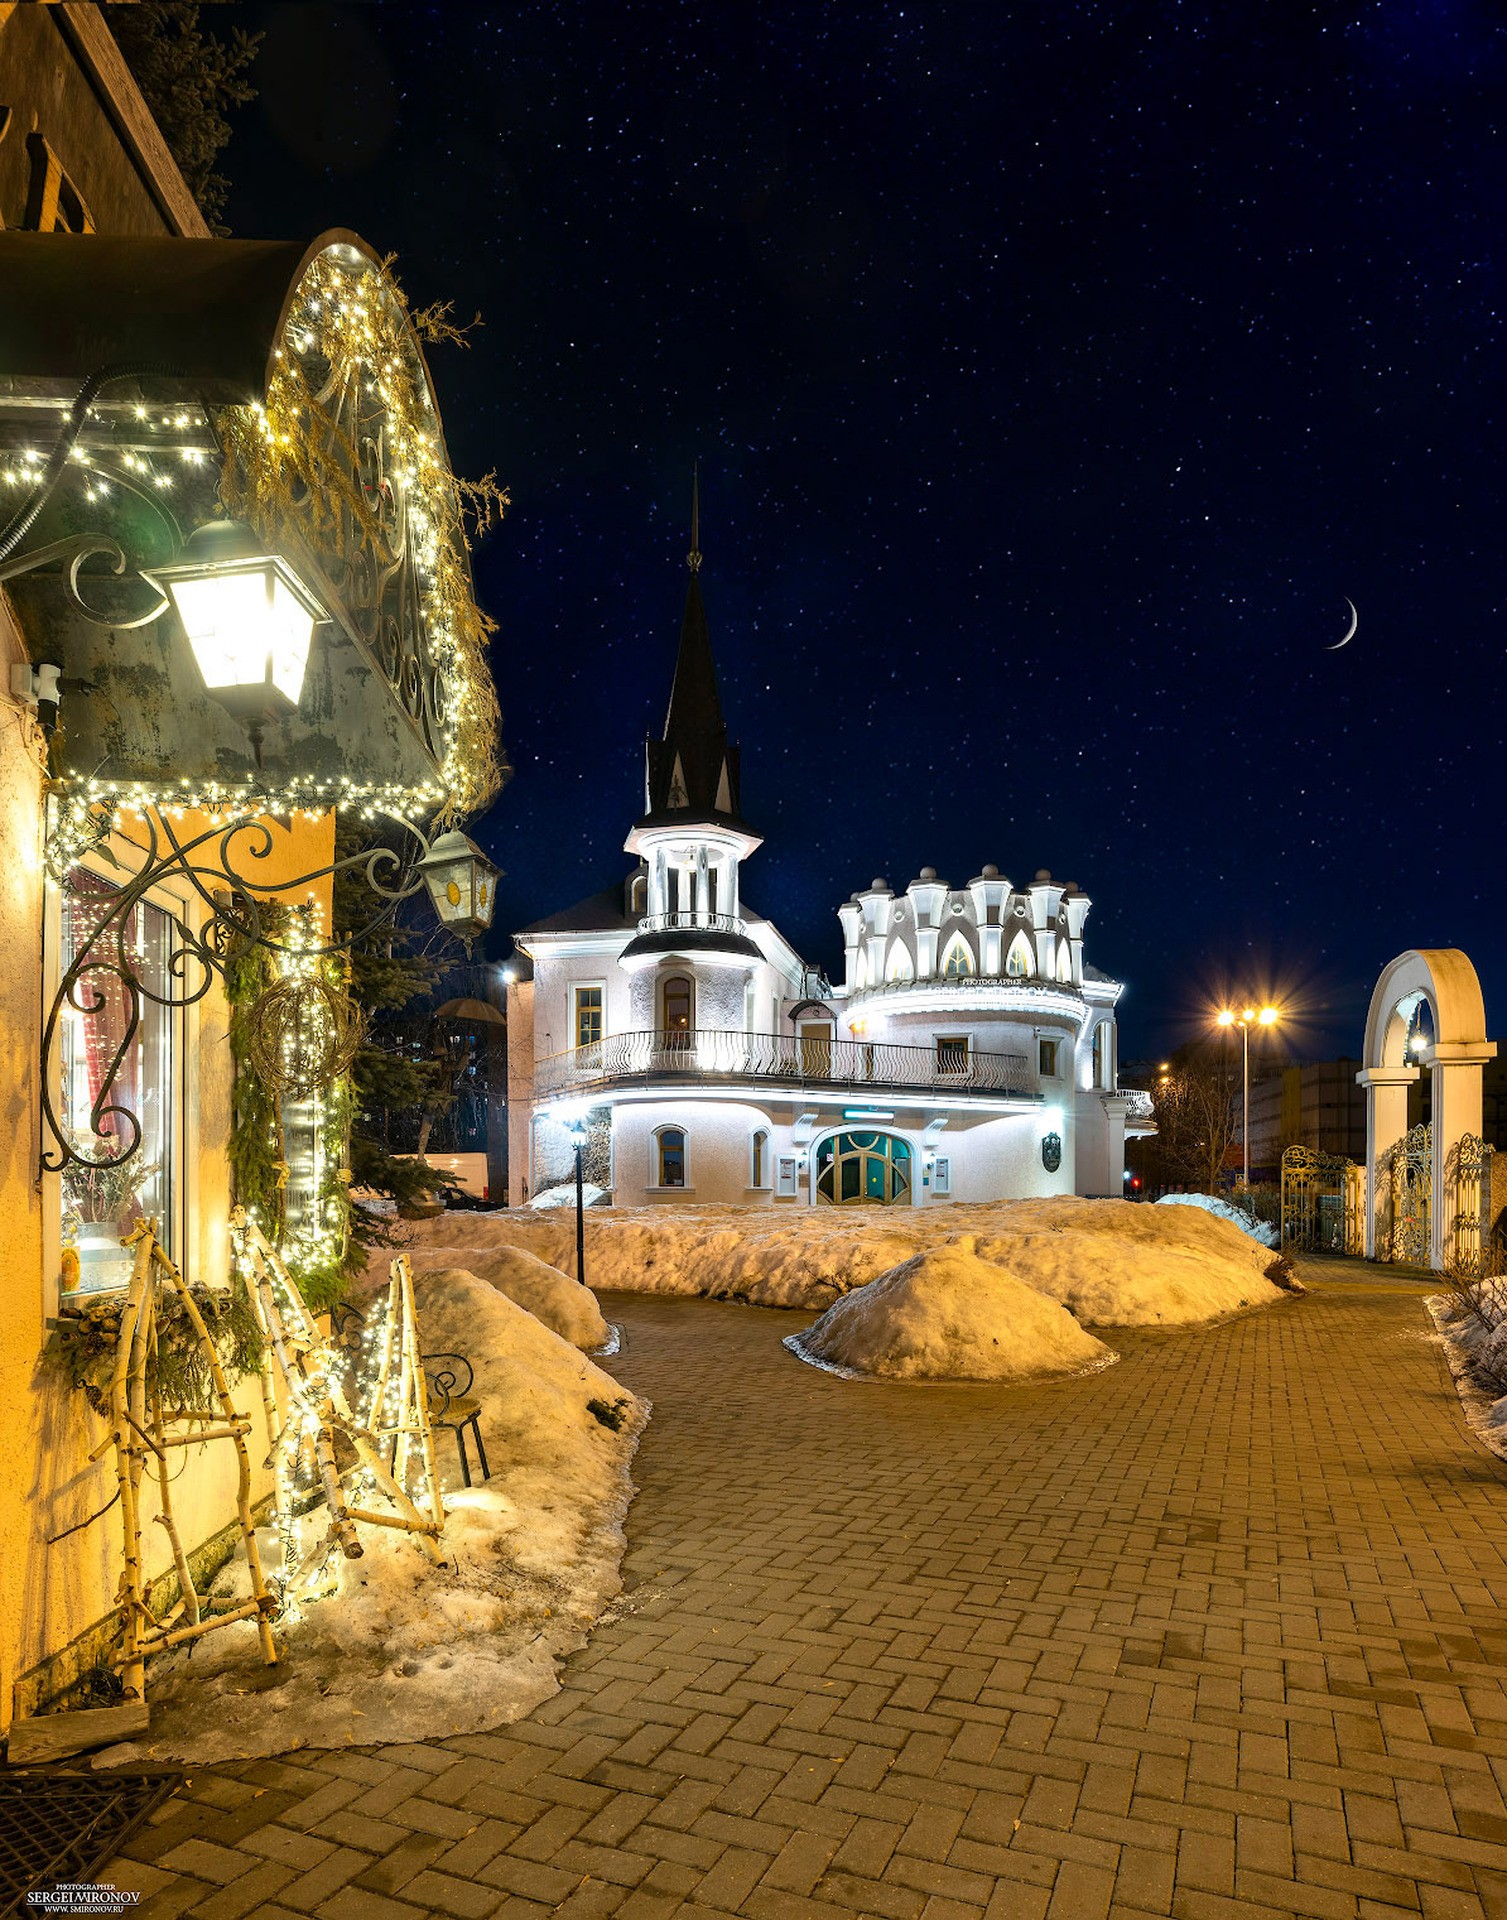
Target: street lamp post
[{"x": 1247, "y": 1018}]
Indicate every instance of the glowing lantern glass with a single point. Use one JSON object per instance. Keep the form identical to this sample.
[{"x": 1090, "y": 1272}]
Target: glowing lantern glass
[
  {"x": 462, "y": 884},
  {"x": 249, "y": 619}
]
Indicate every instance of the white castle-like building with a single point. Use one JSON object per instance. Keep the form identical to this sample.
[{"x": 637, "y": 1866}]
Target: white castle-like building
[{"x": 968, "y": 1054}]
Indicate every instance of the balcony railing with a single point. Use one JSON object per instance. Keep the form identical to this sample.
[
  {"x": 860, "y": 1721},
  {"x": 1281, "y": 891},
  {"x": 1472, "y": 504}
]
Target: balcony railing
[
  {"x": 691, "y": 920},
  {"x": 781, "y": 1058}
]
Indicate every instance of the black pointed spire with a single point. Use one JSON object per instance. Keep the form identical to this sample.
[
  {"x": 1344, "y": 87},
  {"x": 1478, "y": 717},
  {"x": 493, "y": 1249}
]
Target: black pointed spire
[{"x": 693, "y": 769}]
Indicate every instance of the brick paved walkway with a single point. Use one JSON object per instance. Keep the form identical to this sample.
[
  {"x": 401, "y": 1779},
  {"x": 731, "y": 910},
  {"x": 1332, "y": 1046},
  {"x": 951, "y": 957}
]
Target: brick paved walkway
[{"x": 1215, "y": 1633}]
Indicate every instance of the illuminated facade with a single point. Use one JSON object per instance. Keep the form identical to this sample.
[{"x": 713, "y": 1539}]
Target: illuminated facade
[{"x": 967, "y": 1054}]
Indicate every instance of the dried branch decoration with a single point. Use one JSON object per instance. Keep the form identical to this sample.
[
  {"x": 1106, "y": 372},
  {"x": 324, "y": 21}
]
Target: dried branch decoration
[
  {"x": 293, "y": 467},
  {"x": 302, "y": 1034}
]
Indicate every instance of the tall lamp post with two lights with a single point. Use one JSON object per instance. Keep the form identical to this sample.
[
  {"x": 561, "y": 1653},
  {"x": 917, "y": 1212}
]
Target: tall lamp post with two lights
[{"x": 1247, "y": 1018}]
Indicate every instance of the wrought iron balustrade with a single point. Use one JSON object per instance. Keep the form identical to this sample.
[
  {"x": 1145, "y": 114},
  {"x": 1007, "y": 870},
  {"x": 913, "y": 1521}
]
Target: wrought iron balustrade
[
  {"x": 692, "y": 920},
  {"x": 781, "y": 1058},
  {"x": 1141, "y": 1107}
]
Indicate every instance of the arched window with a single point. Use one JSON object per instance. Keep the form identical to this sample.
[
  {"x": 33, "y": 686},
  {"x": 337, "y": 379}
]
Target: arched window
[
  {"x": 758, "y": 1154},
  {"x": 861, "y": 968},
  {"x": 899, "y": 967},
  {"x": 638, "y": 890},
  {"x": 669, "y": 1157},
  {"x": 1020, "y": 962},
  {"x": 1064, "y": 960},
  {"x": 677, "y": 1005},
  {"x": 958, "y": 964},
  {"x": 1099, "y": 1054}
]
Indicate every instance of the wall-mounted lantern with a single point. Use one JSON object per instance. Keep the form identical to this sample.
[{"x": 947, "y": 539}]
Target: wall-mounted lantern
[
  {"x": 249, "y": 618},
  {"x": 462, "y": 884}
]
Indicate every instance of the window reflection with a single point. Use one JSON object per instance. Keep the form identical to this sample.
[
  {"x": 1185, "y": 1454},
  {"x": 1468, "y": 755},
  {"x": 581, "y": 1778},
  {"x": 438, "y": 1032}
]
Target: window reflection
[{"x": 102, "y": 1203}]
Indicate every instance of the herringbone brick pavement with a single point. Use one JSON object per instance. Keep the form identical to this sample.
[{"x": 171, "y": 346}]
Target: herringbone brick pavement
[{"x": 1215, "y": 1633}]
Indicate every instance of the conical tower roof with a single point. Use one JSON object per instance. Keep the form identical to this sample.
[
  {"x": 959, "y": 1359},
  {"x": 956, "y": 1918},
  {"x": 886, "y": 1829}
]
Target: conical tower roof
[{"x": 691, "y": 773}]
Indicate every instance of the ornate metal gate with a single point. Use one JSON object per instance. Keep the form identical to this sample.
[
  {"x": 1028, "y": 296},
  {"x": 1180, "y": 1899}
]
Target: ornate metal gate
[
  {"x": 1321, "y": 1210},
  {"x": 1410, "y": 1190},
  {"x": 1467, "y": 1173}
]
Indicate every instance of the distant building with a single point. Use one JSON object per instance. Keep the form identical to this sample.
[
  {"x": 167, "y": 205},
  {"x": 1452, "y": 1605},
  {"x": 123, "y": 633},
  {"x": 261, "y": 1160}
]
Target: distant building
[
  {"x": 1321, "y": 1106},
  {"x": 1318, "y": 1106},
  {"x": 969, "y": 1052}
]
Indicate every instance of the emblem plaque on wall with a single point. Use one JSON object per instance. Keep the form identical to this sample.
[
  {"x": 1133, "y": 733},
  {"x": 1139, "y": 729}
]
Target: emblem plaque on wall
[{"x": 1051, "y": 1151}]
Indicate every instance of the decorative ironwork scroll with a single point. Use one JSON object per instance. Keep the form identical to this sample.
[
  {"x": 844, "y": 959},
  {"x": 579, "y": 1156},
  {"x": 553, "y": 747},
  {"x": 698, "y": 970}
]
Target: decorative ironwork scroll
[
  {"x": 1408, "y": 1171},
  {"x": 104, "y": 982},
  {"x": 1467, "y": 1227},
  {"x": 1321, "y": 1205}
]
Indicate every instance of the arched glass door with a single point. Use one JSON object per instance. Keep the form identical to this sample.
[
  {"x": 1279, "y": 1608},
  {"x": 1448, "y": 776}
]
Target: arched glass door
[{"x": 858, "y": 1169}]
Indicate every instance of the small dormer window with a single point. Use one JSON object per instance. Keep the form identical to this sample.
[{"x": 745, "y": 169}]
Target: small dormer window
[{"x": 959, "y": 962}]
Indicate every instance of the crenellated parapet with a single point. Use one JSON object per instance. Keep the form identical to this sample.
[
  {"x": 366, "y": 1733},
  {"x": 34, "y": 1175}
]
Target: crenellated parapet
[{"x": 988, "y": 930}]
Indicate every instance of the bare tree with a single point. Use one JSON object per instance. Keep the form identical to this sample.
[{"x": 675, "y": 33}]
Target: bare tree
[{"x": 1197, "y": 1120}]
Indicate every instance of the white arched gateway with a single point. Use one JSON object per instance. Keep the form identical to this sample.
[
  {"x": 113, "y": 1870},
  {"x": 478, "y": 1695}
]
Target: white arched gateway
[{"x": 1452, "y": 1044}]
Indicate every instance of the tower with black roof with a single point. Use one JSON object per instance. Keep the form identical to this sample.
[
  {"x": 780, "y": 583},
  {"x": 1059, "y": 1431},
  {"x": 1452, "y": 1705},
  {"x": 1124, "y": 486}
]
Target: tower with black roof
[{"x": 691, "y": 836}]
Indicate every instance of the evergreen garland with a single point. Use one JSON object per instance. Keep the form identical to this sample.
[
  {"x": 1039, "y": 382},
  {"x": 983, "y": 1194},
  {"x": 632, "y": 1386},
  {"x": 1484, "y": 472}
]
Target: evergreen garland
[{"x": 259, "y": 1172}]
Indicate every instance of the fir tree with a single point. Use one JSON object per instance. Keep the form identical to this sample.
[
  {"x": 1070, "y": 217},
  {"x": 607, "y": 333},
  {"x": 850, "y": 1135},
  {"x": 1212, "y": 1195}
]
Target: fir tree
[
  {"x": 397, "y": 1079},
  {"x": 188, "y": 79}
]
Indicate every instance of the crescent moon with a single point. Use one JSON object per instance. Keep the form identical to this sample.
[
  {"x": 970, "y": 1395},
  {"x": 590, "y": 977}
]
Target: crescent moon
[{"x": 1354, "y": 623}]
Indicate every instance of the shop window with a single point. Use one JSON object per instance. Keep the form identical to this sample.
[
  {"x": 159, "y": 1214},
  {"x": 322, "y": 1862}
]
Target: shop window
[
  {"x": 1046, "y": 1059},
  {"x": 669, "y": 1157},
  {"x": 587, "y": 1015},
  {"x": 103, "y": 1202}
]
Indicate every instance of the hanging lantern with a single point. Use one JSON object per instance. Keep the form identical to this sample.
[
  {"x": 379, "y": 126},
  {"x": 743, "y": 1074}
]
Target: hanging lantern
[
  {"x": 249, "y": 619},
  {"x": 462, "y": 883}
]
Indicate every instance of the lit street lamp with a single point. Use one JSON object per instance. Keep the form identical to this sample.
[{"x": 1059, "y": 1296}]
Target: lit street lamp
[
  {"x": 1247, "y": 1018},
  {"x": 249, "y": 618}
]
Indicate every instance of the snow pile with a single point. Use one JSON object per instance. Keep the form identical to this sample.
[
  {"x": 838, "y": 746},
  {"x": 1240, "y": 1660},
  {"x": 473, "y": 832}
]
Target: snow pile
[
  {"x": 1114, "y": 1263},
  {"x": 565, "y": 1196},
  {"x": 407, "y": 1650},
  {"x": 949, "y": 1315},
  {"x": 1222, "y": 1210},
  {"x": 1474, "y": 1334},
  {"x": 563, "y": 1304}
]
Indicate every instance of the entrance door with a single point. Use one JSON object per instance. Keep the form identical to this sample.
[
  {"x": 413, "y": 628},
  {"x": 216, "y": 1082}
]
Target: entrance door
[
  {"x": 816, "y": 1049},
  {"x": 863, "y": 1169}
]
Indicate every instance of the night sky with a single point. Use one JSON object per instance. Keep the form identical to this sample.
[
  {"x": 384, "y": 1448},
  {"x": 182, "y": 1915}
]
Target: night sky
[{"x": 1055, "y": 373}]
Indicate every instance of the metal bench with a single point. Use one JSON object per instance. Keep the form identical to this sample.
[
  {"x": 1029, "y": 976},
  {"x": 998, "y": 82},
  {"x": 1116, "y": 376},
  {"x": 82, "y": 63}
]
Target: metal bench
[{"x": 453, "y": 1406}]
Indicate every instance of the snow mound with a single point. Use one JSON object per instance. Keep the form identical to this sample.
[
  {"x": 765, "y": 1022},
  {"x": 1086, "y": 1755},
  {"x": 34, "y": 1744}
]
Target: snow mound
[
  {"x": 564, "y": 1305},
  {"x": 1222, "y": 1210},
  {"x": 565, "y": 1196},
  {"x": 1113, "y": 1262},
  {"x": 410, "y": 1651},
  {"x": 948, "y": 1315}
]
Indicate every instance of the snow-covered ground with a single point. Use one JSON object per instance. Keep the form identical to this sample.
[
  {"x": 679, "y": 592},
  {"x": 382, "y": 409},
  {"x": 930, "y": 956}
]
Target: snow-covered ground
[
  {"x": 1112, "y": 1262},
  {"x": 947, "y": 1314},
  {"x": 1475, "y": 1345},
  {"x": 408, "y": 1651},
  {"x": 561, "y": 1302},
  {"x": 1222, "y": 1210}
]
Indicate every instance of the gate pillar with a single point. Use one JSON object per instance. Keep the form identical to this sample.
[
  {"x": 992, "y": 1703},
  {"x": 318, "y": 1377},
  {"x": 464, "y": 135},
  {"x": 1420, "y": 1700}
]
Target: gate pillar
[
  {"x": 1386, "y": 1123},
  {"x": 1455, "y": 1080}
]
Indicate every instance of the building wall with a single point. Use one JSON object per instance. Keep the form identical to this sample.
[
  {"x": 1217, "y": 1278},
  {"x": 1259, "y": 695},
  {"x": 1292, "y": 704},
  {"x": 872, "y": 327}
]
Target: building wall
[
  {"x": 72, "y": 99},
  {"x": 54, "y": 1590},
  {"x": 520, "y": 1009}
]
